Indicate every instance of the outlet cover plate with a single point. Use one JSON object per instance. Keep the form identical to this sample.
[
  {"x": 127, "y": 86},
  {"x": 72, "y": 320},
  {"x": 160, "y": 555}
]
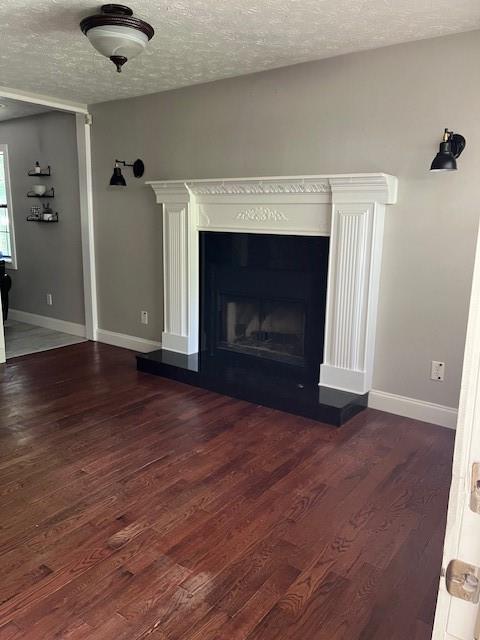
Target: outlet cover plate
[{"x": 437, "y": 371}]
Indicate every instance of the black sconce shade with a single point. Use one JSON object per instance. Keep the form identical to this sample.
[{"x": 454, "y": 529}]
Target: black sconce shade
[
  {"x": 117, "y": 179},
  {"x": 450, "y": 149}
]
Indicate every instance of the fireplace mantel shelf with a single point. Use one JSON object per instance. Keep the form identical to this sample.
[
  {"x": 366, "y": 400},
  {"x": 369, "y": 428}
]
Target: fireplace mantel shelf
[
  {"x": 380, "y": 185},
  {"x": 349, "y": 208}
]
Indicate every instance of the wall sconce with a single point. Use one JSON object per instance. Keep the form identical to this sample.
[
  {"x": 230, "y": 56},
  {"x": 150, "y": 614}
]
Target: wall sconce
[
  {"x": 117, "y": 180},
  {"x": 450, "y": 149}
]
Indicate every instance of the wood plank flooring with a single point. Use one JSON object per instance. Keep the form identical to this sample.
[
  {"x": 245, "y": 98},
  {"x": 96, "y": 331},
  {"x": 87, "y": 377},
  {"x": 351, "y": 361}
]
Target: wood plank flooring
[{"x": 134, "y": 507}]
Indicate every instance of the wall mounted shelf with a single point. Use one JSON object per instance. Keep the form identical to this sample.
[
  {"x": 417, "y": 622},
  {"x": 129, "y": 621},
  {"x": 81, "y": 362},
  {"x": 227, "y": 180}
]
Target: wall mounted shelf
[
  {"x": 43, "y": 173},
  {"x": 38, "y": 219},
  {"x": 48, "y": 194}
]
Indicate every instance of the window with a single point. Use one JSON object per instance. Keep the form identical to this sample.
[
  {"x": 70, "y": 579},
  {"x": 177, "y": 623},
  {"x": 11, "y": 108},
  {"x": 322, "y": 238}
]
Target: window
[{"x": 7, "y": 239}]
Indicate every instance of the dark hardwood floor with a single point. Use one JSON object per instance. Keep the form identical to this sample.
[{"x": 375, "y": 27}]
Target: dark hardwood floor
[{"x": 136, "y": 507}]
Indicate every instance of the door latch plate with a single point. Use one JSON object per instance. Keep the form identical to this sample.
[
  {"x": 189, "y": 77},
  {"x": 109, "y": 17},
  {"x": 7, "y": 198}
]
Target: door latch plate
[{"x": 463, "y": 581}]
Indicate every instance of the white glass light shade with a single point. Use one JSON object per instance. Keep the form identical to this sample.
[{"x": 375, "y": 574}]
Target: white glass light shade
[{"x": 113, "y": 40}]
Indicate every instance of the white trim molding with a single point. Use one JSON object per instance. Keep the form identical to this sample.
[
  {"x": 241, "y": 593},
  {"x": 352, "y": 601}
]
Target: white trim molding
[
  {"x": 84, "y": 153},
  {"x": 12, "y": 264},
  {"x": 438, "y": 414},
  {"x": 348, "y": 208},
  {"x": 127, "y": 342},
  {"x": 46, "y": 322},
  {"x": 46, "y": 101}
]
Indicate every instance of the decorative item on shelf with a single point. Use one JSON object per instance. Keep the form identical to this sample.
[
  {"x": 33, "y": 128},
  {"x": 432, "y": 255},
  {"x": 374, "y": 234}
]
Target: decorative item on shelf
[
  {"x": 40, "y": 191},
  {"x": 116, "y": 33},
  {"x": 450, "y": 149},
  {"x": 48, "y": 215},
  {"x": 34, "y": 213},
  {"x": 37, "y": 171},
  {"x": 117, "y": 179},
  {"x": 44, "y": 215}
]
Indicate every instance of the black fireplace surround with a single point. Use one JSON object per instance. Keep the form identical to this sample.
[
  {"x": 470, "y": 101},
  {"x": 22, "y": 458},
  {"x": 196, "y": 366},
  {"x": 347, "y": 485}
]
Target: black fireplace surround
[
  {"x": 262, "y": 319},
  {"x": 262, "y": 301}
]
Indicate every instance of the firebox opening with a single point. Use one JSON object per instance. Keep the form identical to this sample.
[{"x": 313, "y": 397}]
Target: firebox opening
[{"x": 264, "y": 328}]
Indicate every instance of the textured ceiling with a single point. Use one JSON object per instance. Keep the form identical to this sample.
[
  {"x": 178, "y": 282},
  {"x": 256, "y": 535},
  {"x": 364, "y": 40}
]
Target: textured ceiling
[
  {"x": 10, "y": 109},
  {"x": 42, "y": 49}
]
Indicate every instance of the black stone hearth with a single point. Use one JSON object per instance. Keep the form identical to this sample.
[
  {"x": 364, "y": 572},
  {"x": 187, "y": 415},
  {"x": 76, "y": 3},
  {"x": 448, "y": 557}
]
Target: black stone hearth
[
  {"x": 281, "y": 392},
  {"x": 262, "y": 318}
]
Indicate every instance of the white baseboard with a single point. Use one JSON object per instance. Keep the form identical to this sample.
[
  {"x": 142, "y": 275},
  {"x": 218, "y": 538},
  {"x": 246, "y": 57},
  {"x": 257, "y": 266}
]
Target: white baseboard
[
  {"x": 127, "y": 342},
  {"x": 55, "y": 324},
  {"x": 412, "y": 408},
  {"x": 383, "y": 401}
]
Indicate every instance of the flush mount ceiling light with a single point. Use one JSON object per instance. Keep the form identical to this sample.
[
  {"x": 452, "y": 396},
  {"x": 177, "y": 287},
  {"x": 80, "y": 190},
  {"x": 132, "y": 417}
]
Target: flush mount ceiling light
[
  {"x": 116, "y": 33},
  {"x": 450, "y": 149},
  {"x": 117, "y": 180}
]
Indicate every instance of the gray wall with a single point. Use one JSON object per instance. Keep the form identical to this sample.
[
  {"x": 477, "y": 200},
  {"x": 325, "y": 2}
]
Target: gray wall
[
  {"x": 382, "y": 110},
  {"x": 49, "y": 256}
]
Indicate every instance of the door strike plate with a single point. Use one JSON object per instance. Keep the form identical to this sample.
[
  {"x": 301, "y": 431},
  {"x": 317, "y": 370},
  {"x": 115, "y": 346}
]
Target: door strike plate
[{"x": 463, "y": 581}]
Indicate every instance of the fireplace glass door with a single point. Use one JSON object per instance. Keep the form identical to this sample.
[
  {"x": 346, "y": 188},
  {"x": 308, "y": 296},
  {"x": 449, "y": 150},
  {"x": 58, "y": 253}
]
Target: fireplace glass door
[
  {"x": 266, "y": 328},
  {"x": 262, "y": 303}
]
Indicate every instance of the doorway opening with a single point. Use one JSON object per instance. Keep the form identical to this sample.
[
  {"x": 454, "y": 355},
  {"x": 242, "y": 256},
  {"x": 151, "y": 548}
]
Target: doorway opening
[{"x": 46, "y": 236}]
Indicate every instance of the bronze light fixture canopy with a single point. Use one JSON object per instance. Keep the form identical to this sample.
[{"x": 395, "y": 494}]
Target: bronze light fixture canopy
[
  {"x": 117, "y": 179},
  {"x": 450, "y": 149},
  {"x": 116, "y": 33}
]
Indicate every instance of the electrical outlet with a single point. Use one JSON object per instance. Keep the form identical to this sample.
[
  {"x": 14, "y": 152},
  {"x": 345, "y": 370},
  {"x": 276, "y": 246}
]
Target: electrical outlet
[
  {"x": 144, "y": 317},
  {"x": 438, "y": 371},
  {"x": 49, "y": 299}
]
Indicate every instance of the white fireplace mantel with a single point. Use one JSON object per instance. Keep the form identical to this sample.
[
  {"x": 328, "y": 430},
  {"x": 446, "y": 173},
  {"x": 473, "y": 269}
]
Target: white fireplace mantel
[{"x": 348, "y": 208}]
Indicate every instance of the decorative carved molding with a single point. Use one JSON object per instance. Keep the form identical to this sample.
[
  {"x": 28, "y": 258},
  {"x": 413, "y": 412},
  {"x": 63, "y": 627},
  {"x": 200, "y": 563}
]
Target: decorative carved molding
[
  {"x": 261, "y": 214},
  {"x": 256, "y": 188}
]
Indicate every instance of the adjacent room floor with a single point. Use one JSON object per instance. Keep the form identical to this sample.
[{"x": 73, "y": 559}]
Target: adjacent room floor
[
  {"x": 136, "y": 507},
  {"x": 22, "y": 338}
]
